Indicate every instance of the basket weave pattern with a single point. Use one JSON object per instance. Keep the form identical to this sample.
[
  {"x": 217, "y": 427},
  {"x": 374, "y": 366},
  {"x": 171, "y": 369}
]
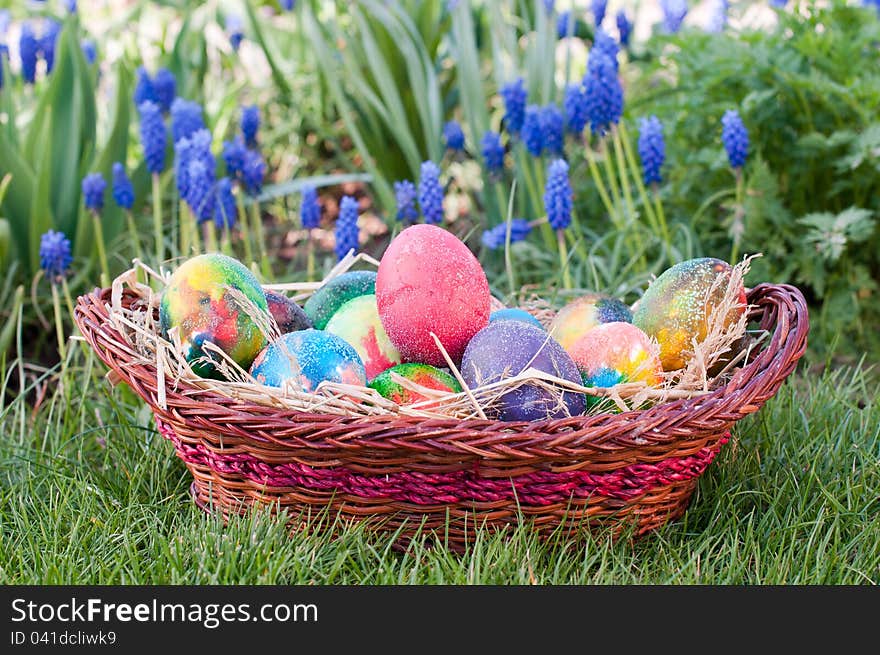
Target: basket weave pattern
[{"x": 634, "y": 470}]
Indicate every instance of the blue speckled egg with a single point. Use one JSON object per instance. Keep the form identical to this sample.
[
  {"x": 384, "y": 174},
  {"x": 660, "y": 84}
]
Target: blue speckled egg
[
  {"x": 514, "y": 314},
  {"x": 306, "y": 358},
  {"x": 505, "y": 349}
]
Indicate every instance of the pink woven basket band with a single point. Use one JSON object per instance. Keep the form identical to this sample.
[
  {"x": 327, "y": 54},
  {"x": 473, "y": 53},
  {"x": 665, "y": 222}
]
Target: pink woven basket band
[{"x": 535, "y": 489}]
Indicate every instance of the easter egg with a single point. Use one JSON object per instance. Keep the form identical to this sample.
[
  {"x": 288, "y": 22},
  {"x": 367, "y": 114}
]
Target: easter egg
[
  {"x": 423, "y": 375},
  {"x": 357, "y": 321},
  {"x": 430, "y": 282},
  {"x": 583, "y": 314},
  {"x": 305, "y": 358},
  {"x": 676, "y": 307},
  {"x": 289, "y": 316},
  {"x": 514, "y": 314},
  {"x": 215, "y": 298},
  {"x": 505, "y": 349},
  {"x": 324, "y": 302},
  {"x": 617, "y": 352}
]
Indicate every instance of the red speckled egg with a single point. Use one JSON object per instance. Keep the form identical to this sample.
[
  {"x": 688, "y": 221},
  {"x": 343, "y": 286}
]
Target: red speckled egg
[{"x": 429, "y": 281}]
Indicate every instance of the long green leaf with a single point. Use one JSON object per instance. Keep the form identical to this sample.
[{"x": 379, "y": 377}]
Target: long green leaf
[
  {"x": 325, "y": 56},
  {"x": 269, "y": 50},
  {"x": 41, "y": 218},
  {"x": 290, "y": 187},
  {"x": 16, "y": 206}
]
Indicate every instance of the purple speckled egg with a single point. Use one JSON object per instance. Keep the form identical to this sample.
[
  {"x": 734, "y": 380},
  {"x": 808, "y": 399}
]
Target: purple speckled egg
[
  {"x": 505, "y": 349},
  {"x": 289, "y": 316}
]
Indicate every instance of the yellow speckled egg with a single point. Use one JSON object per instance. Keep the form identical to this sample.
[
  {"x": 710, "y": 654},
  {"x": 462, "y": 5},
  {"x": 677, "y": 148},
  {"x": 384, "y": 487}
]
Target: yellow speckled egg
[
  {"x": 676, "y": 307},
  {"x": 583, "y": 314}
]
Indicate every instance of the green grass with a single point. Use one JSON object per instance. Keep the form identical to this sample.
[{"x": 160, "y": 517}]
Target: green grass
[{"x": 91, "y": 494}]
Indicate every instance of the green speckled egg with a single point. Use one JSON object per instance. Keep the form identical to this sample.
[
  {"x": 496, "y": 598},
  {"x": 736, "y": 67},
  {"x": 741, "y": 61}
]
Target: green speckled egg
[
  {"x": 322, "y": 304},
  {"x": 424, "y": 375},
  {"x": 212, "y": 298},
  {"x": 676, "y": 307},
  {"x": 357, "y": 321}
]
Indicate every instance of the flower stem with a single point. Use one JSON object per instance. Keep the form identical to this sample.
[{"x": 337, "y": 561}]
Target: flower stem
[
  {"x": 185, "y": 230},
  {"x": 600, "y": 185},
  {"x": 133, "y": 235},
  {"x": 157, "y": 220},
  {"x": 210, "y": 232},
  {"x": 654, "y": 212},
  {"x": 310, "y": 257},
  {"x": 737, "y": 216},
  {"x": 245, "y": 228},
  {"x": 102, "y": 251},
  {"x": 257, "y": 221},
  {"x": 508, "y": 265},
  {"x": 59, "y": 327},
  {"x": 563, "y": 259}
]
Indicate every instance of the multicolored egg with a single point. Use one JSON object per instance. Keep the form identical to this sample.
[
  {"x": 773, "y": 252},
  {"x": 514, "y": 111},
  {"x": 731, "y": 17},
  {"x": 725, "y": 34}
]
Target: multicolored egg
[
  {"x": 215, "y": 298},
  {"x": 676, "y": 307},
  {"x": 430, "y": 282},
  {"x": 617, "y": 352},
  {"x": 583, "y": 314},
  {"x": 305, "y": 358},
  {"x": 514, "y": 314},
  {"x": 423, "y": 375},
  {"x": 505, "y": 349},
  {"x": 289, "y": 316},
  {"x": 324, "y": 302},
  {"x": 357, "y": 321}
]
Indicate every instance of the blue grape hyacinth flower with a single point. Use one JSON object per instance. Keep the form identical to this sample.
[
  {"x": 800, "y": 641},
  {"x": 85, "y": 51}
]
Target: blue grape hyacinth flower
[
  {"x": 144, "y": 90},
  {"x": 405, "y": 200},
  {"x": 599, "y": 7},
  {"x": 186, "y": 118},
  {"x": 532, "y": 135},
  {"x": 430, "y": 192},
  {"x": 200, "y": 191},
  {"x": 310, "y": 208},
  {"x": 55, "y": 254},
  {"x": 235, "y": 31},
  {"x": 28, "y": 50},
  {"x": 346, "y": 230},
  {"x": 652, "y": 148},
  {"x": 123, "y": 189},
  {"x": 153, "y": 136},
  {"x": 164, "y": 89},
  {"x": 224, "y": 204},
  {"x": 493, "y": 152},
  {"x": 253, "y": 171},
  {"x": 735, "y": 138},
  {"x": 93, "y": 186},
  {"x": 495, "y": 238},
  {"x": 674, "y": 12},
  {"x": 453, "y": 136},
  {"x": 89, "y": 50},
  {"x": 604, "y": 92},
  {"x": 558, "y": 197},
  {"x": 514, "y": 95},
  {"x": 605, "y": 43},
  {"x": 717, "y": 18},
  {"x": 565, "y": 24},
  {"x": 48, "y": 41},
  {"x": 624, "y": 28},
  {"x": 233, "y": 156},
  {"x": 250, "y": 124},
  {"x": 552, "y": 129},
  {"x": 575, "y": 105}
]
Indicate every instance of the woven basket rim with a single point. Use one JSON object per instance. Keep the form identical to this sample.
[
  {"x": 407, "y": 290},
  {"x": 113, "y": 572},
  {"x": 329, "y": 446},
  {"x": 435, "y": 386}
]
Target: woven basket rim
[{"x": 679, "y": 425}]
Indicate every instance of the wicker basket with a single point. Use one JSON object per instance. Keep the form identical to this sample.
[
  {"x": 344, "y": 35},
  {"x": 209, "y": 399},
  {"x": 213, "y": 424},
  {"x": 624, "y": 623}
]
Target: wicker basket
[{"x": 630, "y": 471}]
